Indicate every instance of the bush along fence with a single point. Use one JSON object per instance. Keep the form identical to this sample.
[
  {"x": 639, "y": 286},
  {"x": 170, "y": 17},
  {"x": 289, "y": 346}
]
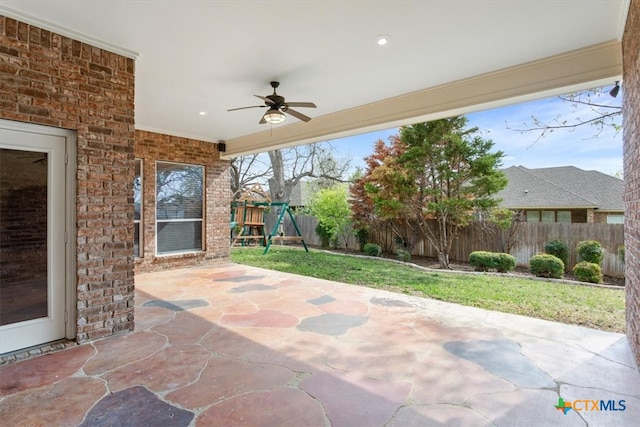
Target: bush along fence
[{"x": 529, "y": 239}]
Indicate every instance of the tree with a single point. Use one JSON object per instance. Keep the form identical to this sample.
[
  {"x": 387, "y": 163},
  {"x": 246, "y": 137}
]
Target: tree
[
  {"x": 330, "y": 207},
  {"x": 290, "y": 166},
  {"x": 283, "y": 169},
  {"x": 438, "y": 176},
  {"x": 364, "y": 216},
  {"x": 247, "y": 170},
  {"x": 504, "y": 222}
]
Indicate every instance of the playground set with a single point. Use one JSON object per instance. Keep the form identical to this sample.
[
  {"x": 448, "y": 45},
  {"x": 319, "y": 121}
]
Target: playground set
[{"x": 247, "y": 219}]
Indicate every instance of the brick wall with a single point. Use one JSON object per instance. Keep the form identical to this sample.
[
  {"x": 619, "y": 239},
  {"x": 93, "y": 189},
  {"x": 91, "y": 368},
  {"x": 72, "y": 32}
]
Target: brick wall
[
  {"x": 152, "y": 147},
  {"x": 602, "y": 217},
  {"x": 52, "y": 80},
  {"x": 631, "y": 149}
]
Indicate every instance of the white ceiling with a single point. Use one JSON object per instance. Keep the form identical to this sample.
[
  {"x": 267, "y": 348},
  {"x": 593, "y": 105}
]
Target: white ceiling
[{"x": 211, "y": 56}]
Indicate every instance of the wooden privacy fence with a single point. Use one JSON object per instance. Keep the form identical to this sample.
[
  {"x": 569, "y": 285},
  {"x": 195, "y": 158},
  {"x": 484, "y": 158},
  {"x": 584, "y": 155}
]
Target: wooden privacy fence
[
  {"x": 529, "y": 240},
  {"x": 307, "y": 225}
]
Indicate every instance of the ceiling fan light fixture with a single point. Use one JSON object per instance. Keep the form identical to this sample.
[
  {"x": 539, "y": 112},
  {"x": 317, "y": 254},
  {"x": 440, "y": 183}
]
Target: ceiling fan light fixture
[{"x": 274, "y": 116}]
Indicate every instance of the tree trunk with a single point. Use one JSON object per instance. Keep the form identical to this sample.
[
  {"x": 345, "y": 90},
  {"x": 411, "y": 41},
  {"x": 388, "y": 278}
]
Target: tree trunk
[
  {"x": 443, "y": 259},
  {"x": 281, "y": 188},
  {"x": 277, "y": 182},
  {"x": 444, "y": 243}
]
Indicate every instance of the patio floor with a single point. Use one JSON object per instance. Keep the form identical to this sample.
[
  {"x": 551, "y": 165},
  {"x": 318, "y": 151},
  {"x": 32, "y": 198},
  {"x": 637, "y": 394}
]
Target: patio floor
[{"x": 231, "y": 345}]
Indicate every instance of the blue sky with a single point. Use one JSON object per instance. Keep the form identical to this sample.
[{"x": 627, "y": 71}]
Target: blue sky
[{"x": 579, "y": 147}]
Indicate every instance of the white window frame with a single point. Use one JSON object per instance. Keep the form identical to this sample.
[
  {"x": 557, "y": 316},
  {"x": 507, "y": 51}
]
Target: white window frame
[
  {"x": 140, "y": 221},
  {"x": 202, "y": 219}
]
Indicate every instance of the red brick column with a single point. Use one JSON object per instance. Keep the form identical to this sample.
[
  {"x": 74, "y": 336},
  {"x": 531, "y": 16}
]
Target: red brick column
[
  {"x": 49, "y": 79},
  {"x": 631, "y": 138}
]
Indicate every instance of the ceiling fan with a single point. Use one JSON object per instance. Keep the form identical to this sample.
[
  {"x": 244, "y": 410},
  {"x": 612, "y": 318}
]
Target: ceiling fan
[{"x": 277, "y": 106}]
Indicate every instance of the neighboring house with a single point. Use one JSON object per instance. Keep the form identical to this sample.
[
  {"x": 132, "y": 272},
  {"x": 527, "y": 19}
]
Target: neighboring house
[{"x": 563, "y": 194}]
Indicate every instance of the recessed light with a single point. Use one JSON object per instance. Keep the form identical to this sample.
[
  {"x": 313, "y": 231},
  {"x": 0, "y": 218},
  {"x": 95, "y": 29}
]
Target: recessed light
[
  {"x": 382, "y": 40},
  {"x": 203, "y": 113}
]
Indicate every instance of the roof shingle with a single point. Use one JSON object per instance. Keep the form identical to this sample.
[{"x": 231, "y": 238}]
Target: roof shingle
[{"x": 561, "y": 187}]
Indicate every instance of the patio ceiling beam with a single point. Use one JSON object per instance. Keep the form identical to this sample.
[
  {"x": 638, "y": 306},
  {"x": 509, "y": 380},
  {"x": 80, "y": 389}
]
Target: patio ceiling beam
[{"x": 581, "y": 69}]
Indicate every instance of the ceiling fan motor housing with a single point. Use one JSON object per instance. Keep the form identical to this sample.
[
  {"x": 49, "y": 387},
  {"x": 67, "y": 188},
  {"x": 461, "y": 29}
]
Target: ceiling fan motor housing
[{"x": 276, "y": 99}]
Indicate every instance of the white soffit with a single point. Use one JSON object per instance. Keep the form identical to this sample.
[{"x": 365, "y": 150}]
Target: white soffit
[
  {"x": 444, "y": 57},
  {"x": 585, "y": 69}
]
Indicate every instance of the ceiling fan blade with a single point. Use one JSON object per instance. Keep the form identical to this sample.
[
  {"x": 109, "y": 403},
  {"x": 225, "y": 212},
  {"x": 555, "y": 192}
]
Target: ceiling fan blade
[
  {"x": 302, "y": 104},
  {"x": 244, "y": 108},
  {"x": 298, "y": 115},
  {"x": 262, "y": 121},
  {"x": 265, "y": 99}
]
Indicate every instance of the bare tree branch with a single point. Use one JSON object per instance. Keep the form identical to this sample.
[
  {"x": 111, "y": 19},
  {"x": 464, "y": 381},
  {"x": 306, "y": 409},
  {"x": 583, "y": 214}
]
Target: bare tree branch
[
  {"x": 604, "y": 116},
  {"x": 246, "y": 170},
  {"x": 283, "y": 169}
]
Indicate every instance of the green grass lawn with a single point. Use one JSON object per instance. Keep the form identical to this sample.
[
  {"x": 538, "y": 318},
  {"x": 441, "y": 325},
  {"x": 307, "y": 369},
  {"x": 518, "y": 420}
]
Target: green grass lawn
[{"x": 593, "y": 307}]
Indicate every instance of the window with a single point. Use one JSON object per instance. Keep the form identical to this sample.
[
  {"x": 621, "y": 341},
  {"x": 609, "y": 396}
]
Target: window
[
  {"x": 548, "y": 216},
  {"x": 533, "y": 216},
  {"x": 564, "y": 216},
  {"x": 137, "y": 207},
  {"x": 178, "y": 208},
  {"x": 615, "y": 219}
]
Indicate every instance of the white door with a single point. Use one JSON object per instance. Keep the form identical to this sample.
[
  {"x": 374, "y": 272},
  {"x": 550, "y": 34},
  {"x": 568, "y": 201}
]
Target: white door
[{"x": 32, "y": 236}]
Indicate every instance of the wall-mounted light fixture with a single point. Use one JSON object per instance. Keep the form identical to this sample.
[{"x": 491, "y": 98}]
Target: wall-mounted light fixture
[{"x": 614, "y": 92}]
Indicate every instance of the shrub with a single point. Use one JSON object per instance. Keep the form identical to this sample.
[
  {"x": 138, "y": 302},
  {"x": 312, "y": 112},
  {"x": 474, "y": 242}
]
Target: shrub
[
  {"x": 404, "y": 256},
  {"x": 482, "y": 260},
  {"x": 545, "y": 265},
  {"x": 362, "y": 234},
  {"x": 621, "y": 253},
  {"x": 590, "y": 251},
  {"x": 325, "y": 236},
  {"x": 558, "y": 249},
  {"x": 372, "y": 249},
  {"x": 505, "y": 263},
  {"x": 588, "y": 272}
]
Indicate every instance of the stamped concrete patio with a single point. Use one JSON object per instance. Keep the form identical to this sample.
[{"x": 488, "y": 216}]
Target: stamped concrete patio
[{"x": 231, "y": 345}]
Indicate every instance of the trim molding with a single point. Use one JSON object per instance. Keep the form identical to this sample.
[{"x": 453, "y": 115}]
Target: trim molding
[
  {"x": 586, "y": 68},
  {"x": 64, "y": 31}
]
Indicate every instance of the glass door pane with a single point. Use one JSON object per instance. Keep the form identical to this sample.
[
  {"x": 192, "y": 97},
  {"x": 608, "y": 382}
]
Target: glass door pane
[{"x": 23, "y": 235}]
